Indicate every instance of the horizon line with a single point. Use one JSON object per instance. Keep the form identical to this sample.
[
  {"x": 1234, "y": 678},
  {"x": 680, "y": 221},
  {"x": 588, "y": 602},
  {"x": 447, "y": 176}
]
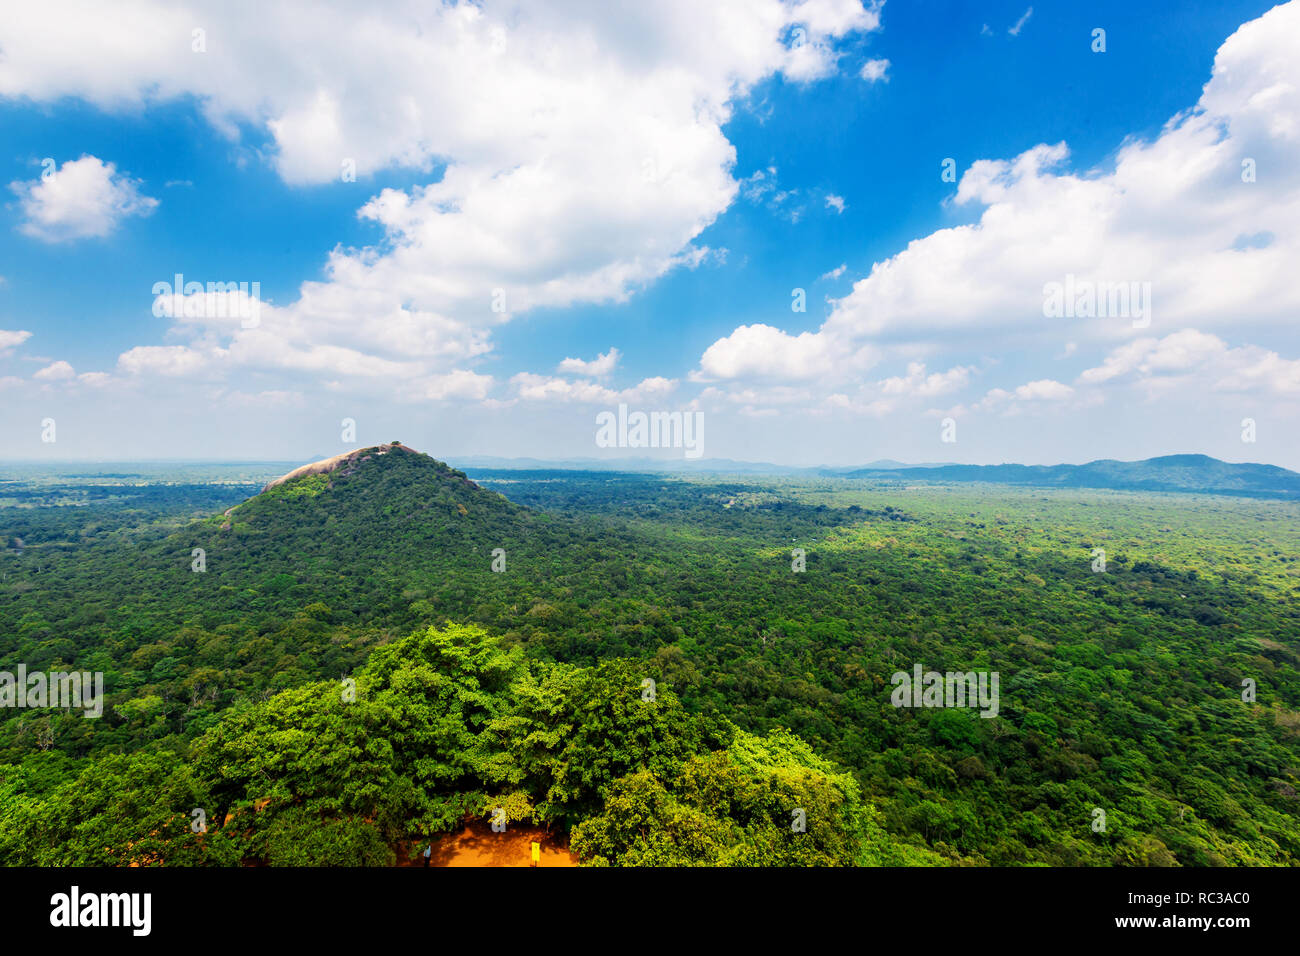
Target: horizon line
[{"x": 687, "y": 463}]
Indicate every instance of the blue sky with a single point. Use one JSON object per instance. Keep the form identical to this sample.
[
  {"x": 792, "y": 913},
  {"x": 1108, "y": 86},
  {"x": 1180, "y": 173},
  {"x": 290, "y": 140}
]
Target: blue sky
[{"x": 655, "y": 182}]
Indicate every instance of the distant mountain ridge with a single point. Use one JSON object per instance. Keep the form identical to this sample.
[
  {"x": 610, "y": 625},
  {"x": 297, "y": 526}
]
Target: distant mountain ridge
[
  {"x": 1176, "y": 473},
  {"x": 671, "y": 465},
  {"x": 1181, "y": 473}
]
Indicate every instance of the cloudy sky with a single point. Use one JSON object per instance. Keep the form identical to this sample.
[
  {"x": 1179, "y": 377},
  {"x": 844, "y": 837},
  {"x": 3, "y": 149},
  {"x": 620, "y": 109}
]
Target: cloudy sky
[{"x": 826, "y": 226}]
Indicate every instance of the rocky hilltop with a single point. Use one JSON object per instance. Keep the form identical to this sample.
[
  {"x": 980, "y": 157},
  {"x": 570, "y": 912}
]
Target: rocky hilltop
[{"x": 345, "y": 463}]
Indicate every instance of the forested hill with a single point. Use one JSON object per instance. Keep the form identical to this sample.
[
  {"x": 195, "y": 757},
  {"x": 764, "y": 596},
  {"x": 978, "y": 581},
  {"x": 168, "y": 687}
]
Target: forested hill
[
  {"x": 1192, "y": 473},
  {"x": 345, "y": 522},
  {"x": 295, "y": 583}
]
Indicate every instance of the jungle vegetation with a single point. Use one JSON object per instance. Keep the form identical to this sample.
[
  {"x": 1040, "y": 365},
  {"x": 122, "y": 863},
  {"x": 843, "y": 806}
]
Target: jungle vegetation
[{"x": 348, "y": 670}]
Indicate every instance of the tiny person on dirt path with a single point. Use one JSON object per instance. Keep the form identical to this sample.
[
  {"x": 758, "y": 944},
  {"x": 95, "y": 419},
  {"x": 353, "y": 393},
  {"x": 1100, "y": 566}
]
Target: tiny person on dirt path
[{"x": 428, "y": 851}]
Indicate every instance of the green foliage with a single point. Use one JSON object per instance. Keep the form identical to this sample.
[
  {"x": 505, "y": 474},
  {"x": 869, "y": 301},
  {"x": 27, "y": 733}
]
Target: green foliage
[
  {"x": 299, "y": 839},
  {"x": 308, "y": 486},
  {"x": 574, "y": 732},
  {"x": 766, "y": 801},
  {"x": 1119, "y": 691},
  {"x": 118, "y": 811}
]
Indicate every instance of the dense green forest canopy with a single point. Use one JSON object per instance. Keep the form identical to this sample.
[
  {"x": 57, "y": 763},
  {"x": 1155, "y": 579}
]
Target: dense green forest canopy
[{"x": 522, "y": 687}]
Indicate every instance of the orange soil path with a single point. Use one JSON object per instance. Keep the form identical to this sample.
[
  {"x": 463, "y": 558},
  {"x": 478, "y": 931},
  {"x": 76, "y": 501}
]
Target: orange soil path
[{"x": 477, "y": 845}]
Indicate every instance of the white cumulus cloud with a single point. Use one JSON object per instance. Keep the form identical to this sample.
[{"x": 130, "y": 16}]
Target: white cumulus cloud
[
  {"x": 55, "y": 372},
  {"x": 1198, "y": 359},
  {"x": 873, "y": 71},
  {"x": 83, "y": 198},
  {"x": 11, "y": 339},
  {"x": 599, "y": 367}
]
